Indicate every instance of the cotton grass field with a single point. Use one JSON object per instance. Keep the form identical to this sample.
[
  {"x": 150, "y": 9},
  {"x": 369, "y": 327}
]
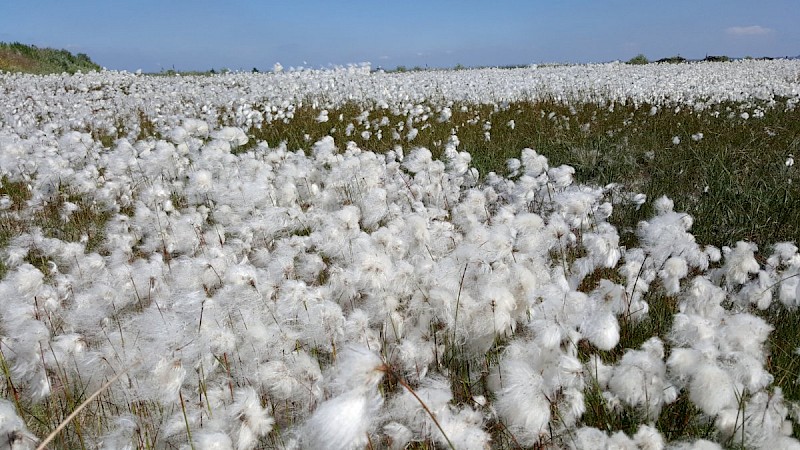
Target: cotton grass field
[{"x": 594, "y": 256}]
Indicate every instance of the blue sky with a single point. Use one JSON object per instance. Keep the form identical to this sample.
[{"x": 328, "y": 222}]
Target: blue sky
[{"x": 201, "y": 34}]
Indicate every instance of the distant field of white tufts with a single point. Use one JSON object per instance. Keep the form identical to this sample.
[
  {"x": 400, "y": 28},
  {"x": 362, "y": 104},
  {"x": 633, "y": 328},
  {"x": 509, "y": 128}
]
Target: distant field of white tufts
[
  {"x": 255, "y": 298},
  {"x": 105, "y": 100}
]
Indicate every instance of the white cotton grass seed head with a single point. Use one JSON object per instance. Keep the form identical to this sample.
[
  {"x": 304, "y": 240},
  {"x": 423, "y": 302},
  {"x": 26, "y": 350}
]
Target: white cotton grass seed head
[
  {"x": 664, "y": 205},
  {"x": 13, "y": 431},
  {"x": 712, "y": 389},
  {"x": 341, "y": 423},
  {"x": 675, "y": 269},
  {"x": 201, "y": 180},
  {"x": 781, "y": 442},
  {"x": 463, "y": 429},
  {"x": 588, "y": 437},
  {"x": 399, "y": 435},
  {"x": 121, "y": 435},
  {"x": 639, "y": 379},
  {"x": 714, "y": 254},
  {"x": 196, "y": 127},
  {"x": 533, "y": 162},
  {"x": 744, "y": 332},
  {"x": 168, "y": 377},
  {"x": 445, "y": 115},
  {"x": 512, "y": 166},
  {"x": 797, "y": 293},
  {"x": 740, "y": 262},
  {"x": 344, "y": 421},
  {"x": 648, "y": 438},
  {"x": 28, "y": 279},
  {"x": 521, "y": 401},
  {"x": 253, "y": 419},
  {"x": 178, "y": 135},
  {"x": 211, "y": 440},
  {"x": 561, "y": 176},
  {"x": 784, "y": 253},
  {"x": 234, "y": 135},
  {"x": 621, "y": 441},
  {"x": 601, "y": 329}
]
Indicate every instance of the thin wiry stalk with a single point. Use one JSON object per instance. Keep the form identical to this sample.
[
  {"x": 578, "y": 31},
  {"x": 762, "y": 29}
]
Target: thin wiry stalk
[
  {"x": 80, "y": 407},
  {"x": 458, "y": 301},
  {"x": 186, "y": 420},
  {"x": 403, "y": 383}
]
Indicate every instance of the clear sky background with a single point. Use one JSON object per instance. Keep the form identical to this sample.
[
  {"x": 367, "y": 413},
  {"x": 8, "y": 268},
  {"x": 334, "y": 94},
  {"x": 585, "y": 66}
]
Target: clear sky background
[{"x": 155, "y": 35}]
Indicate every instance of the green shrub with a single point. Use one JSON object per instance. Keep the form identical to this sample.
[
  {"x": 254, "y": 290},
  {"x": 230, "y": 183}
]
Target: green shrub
[{"x": 639, "y": 59}]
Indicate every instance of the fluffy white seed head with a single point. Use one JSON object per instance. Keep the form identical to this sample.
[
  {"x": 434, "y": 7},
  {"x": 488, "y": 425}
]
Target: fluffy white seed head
[{"x": 713, "y": 390}]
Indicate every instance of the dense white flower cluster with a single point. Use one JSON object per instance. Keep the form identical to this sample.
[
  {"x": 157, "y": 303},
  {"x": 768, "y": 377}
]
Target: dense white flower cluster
[
  {"x": 117, "y": 101},
  {"x": 247, "y": 296}
]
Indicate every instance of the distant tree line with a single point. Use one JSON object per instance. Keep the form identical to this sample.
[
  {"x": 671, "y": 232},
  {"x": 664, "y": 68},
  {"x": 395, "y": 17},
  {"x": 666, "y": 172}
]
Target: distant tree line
[{"x": 677, "y": 59}]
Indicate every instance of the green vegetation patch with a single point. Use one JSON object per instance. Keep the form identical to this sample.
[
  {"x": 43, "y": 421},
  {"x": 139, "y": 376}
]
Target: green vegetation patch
[{"x": 16, "y": 57}]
